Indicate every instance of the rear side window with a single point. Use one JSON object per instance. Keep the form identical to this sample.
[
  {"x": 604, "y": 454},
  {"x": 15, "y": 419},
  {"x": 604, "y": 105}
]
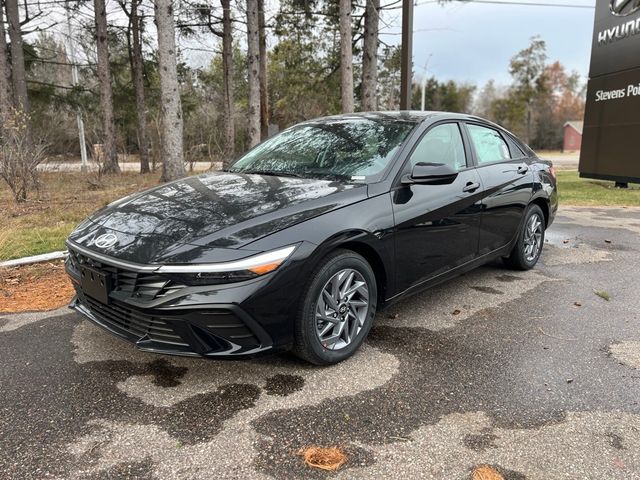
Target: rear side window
[
  {"x": 441, "y": 144},
  {"x": 489, "y": 144},
  {"x": 516, "y": 150}
]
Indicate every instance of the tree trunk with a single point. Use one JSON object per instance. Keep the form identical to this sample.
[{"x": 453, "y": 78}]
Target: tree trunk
[
  {"x": 227, "y": 69},
  {"x": 18, "y": 74},
  {"x": 264, "y": 93},
  {"x": 5, "y": 95},
  {"x": 138, "y": 83},
  {"x": 370, "y": 56},
  {"x": 346, "y": 57},
  {"x": 172, "y": 125},
  {"x": 253, "y": 61},
  {"x": 110, "y": 160}
]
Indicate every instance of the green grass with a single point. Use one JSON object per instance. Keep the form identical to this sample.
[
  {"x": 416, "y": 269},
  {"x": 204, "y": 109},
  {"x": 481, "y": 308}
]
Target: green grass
[
  {"x": 24, "y": 242},
  {"x": 573, "y": 190},
  {"x": 41, "y": 224}
]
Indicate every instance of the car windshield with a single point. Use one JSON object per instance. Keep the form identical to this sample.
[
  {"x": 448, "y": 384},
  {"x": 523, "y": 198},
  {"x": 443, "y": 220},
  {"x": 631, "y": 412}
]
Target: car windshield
[{"x": 351, "y": 149}]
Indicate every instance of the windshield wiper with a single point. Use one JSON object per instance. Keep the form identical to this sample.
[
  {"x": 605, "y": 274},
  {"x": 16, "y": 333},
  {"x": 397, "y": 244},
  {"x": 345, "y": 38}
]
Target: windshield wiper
[{"x": 270, "y": 173}]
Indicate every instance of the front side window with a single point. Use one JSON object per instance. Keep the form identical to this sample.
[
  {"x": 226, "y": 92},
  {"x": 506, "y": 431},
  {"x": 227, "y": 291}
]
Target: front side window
[
  {"x": 441, "y": 144},
  {"x": 353, "y": 149},
  {"x": 489, "y": 144}
]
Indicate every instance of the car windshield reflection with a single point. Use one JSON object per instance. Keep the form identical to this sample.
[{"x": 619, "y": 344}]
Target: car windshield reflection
[{"x": 351, "y": 149}]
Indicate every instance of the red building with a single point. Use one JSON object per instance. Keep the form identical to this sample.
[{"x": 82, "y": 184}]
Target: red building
[{"x": 572, "y": 136}]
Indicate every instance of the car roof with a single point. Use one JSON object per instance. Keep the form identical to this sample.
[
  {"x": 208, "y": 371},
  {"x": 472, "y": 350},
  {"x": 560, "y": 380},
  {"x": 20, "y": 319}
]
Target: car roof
[{"x": 411, "y": 116}]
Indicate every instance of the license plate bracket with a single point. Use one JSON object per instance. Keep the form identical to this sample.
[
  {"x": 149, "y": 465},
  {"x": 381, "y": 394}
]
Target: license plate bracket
[{"x": 95, "y": 283}]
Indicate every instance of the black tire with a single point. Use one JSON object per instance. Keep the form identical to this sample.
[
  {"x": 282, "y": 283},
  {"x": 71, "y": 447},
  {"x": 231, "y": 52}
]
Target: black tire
[
  {"x": 519, "y": 259},
  {"x": 307, "y": 343}
]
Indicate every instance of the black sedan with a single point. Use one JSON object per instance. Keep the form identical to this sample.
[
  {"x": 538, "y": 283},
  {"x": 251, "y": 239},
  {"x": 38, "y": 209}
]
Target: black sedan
[{"x": 298, "y": 244}]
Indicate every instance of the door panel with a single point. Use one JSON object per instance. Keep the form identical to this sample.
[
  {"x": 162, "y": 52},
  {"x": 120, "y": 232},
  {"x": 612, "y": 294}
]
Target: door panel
[
  {"x": 437, "y": 226},
  {"x": 507, "y": 184}
]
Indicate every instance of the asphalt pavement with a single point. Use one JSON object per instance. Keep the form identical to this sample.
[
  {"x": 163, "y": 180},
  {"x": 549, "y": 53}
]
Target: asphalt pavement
[{"x": 533, "y": 373}]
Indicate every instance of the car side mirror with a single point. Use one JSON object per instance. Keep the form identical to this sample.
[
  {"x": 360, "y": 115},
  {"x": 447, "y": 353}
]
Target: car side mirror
[{"x": 431, "y": 174}]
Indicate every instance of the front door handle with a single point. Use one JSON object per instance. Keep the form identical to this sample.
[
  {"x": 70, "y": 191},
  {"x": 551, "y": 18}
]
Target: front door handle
[
  {"x": 523, "y": 169},
  {"x": 471, "y": 187}
]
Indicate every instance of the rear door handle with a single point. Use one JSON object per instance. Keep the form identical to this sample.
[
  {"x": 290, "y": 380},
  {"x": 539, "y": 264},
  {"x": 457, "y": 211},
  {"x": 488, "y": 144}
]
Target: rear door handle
[
  {"x": 471, "y": 187},
  {"x": 523, "y": 169}
]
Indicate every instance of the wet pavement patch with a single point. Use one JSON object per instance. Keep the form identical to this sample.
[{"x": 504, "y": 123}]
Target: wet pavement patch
[
  {"x": 481, "y": 441},
  {"x": 143, "y": 469},
  {"x": 615, "y": 441},
  {"x": 491, "y": 290},
  {"x": 283, "y": 385},
  {"x": 508, "y": 278},
  {"x": 201, "y": 417},
  {"x": 164, "y": 374}
]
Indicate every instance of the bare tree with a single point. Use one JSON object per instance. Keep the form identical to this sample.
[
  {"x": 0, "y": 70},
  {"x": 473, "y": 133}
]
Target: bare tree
[
  {"x": 110, "y": 160},
  {"x": 18, "y": 74},
  {"x": 370, "y": 56},
  {"x": 172, "y": 122},
  {"x": 253, "y": 60},
  {"x": 264, "y": 93},
  {"x": 346, "y": 56},
  {"x": 137, "y": 70},
  {"x": 5, "y": 96},
  {"x": 227, "y": 69}
]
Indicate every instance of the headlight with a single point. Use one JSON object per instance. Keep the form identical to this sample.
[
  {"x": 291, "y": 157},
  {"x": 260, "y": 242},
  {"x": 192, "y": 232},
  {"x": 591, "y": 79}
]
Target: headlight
[{"x": 227, "y": 272}]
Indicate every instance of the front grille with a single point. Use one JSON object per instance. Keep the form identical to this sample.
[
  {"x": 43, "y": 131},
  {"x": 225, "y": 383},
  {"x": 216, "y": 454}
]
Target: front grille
[
  {"x": 132, "y": 323},
  {"x": 141, "y": 285}
]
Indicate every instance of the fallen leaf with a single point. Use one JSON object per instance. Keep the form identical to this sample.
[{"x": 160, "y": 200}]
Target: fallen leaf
[
  {"x": 456, "y": 312},
  {"x": 486, "y": 472},
  {"x": 394, "y": 316},
  {"x": 324, "y": 458}
]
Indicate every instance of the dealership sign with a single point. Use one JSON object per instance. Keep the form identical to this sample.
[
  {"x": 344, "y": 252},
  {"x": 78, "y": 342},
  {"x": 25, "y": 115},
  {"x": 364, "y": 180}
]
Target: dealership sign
[{"x": 612, "y": 118}]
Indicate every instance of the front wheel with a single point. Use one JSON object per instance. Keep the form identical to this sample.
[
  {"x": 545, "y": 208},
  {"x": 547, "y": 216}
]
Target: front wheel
[
  {"x": 527, "y": 250},
  {"x": 337, "y": 310}
]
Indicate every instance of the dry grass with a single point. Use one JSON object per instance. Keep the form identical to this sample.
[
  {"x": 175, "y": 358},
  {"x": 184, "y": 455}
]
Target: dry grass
[
  {"x": 38, "y": 287},
  {"x": 41, "y": 225},
  {"x": 324, "y": 458},
  {"x": 486, "y": 472}
]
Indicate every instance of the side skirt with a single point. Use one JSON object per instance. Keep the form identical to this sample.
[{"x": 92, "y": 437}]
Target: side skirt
[{"x": 455, "y": 272}]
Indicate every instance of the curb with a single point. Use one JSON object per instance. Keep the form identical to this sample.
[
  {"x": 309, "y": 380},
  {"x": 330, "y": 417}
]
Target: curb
[{"x": 45, "y": 257}]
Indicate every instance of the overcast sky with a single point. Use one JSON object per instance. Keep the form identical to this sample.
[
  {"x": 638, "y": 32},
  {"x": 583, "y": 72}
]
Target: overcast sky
[
  {"x": 464, "y": 41},
  {"x": 474, "y": 43}
]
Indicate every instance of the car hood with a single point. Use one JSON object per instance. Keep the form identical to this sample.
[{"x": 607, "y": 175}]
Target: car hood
[{"x": 216, "y": 210}]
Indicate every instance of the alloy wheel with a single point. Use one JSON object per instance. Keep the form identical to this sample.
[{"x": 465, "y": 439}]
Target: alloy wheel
[
  {"x": 533, "y": 237},
  {"x": 342, "y": 309}
]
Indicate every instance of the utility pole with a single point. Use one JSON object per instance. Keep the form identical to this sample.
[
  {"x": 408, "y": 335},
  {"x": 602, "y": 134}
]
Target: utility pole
[
  {"x": 406, "y": 55},
  {"x": 76, "y": 80}
]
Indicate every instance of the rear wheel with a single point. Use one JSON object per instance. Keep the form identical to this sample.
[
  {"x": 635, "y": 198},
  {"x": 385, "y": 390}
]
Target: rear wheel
[
  {"x": 527, "y": 250},
  {"x": 337, "y": 310}
]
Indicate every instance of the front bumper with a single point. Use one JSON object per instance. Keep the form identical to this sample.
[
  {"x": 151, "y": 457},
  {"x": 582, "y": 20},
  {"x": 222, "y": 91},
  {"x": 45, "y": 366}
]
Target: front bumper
[
  {"x": 209, "y": 331},
  {"x": 241, "y": 319}
]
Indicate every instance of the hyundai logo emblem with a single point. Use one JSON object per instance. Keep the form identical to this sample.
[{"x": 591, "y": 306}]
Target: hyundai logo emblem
[
  {"x": 105, "y": 240},
  {"x": 622, "y": 8}
]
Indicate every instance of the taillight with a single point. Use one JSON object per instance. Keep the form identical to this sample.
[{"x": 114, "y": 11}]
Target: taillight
[{"x": 552, "y": 172}]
